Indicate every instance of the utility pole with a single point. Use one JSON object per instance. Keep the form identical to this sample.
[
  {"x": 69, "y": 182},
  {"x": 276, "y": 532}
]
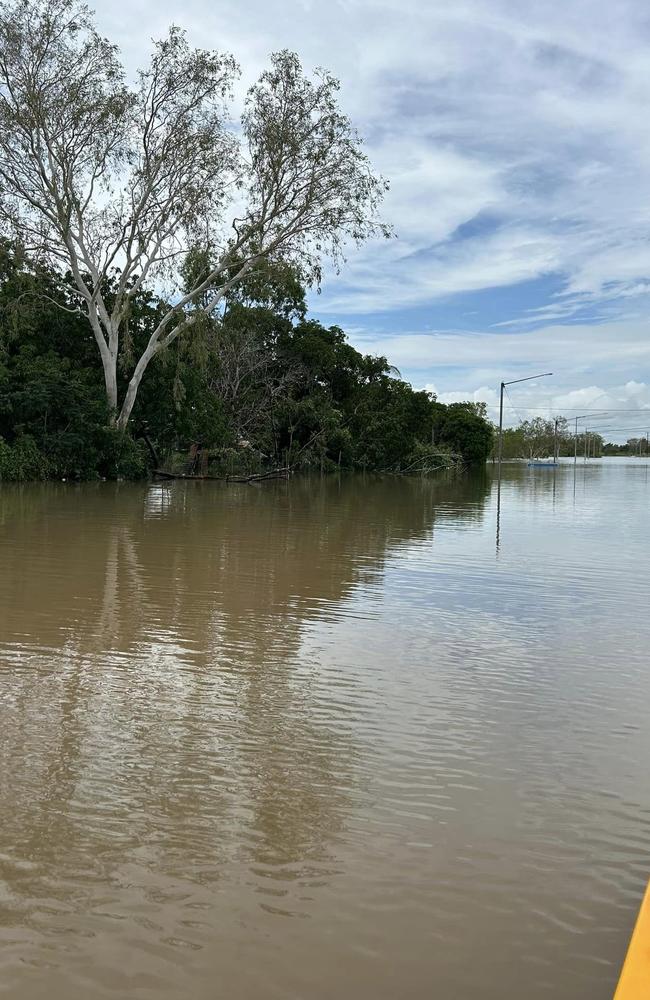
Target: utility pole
[
  {"x": 555, "y": 441},
  {"x": 503, "y": 385},
  {"x": 583, "y": 416}
]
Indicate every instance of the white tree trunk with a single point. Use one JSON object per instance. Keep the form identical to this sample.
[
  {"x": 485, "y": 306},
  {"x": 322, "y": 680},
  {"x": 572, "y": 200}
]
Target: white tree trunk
[
  {"x": 110, "y": 380},
  {"x": 160, "y": 339},
  {"x": 133, "y": 386},
  {"x": 108, "y": 353}
]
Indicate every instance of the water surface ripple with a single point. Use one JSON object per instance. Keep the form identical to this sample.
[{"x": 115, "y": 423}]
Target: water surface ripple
[{"x": 324, "y": 739}]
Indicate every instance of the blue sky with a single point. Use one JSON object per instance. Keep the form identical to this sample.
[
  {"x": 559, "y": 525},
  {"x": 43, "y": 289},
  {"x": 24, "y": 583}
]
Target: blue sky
[{"x": 516, "y": 142}]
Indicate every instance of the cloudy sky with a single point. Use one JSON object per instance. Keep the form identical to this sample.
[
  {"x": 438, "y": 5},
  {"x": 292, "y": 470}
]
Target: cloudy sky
[{"x": 516, "y": 141}]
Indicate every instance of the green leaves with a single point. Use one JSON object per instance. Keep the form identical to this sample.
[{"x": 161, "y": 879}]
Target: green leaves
[
  {"x": 465, "y": 431},
  {"x": 263, "y": 373},
  {"x": 130, "y": 188},
  {"x": 311, "y": 187}
]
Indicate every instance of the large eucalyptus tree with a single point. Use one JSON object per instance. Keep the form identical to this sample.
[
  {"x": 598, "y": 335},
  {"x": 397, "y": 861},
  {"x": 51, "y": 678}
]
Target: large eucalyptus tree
[{"x": 116, "y": 185}]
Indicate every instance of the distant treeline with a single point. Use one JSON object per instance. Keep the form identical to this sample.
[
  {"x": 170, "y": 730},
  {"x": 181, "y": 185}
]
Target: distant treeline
[
  {"x": 260, "y": 386},
  {"x": 633, "y": 446},
  {"x": 536, "y": 438}
]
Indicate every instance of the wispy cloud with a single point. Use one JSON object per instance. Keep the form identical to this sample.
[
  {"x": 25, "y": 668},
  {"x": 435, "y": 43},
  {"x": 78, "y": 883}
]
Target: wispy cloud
[
  {"x": 616, "y": 413},
  {"x": 515, "y": 138},
  {"x": 567, "y": 349},
  {"x": 460, "y": 365},
  {"x": 535, "y": 113}
]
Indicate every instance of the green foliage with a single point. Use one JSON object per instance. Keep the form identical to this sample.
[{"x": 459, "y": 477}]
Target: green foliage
[
  {"x": 633, "y": 446},
  {"x": 291, "y": 184},
  {"x": 464, "y": 430},
  {"x": 22, "y": 461},
  {"x": 260, "y": 387},
  {"x": 53, "y": 416},
  {"x": 119, "y": 456},
  {"x": 539, "y": 437}
]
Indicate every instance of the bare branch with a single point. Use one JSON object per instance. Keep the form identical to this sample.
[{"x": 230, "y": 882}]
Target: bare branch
[{"x": 117, "y": 185}]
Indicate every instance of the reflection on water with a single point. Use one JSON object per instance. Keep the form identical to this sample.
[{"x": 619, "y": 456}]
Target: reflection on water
[{"x": 313, "y": 739}]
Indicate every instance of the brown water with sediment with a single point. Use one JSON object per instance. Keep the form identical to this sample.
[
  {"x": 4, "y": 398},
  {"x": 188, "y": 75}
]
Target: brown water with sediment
[{"x": 324, "y": 738}]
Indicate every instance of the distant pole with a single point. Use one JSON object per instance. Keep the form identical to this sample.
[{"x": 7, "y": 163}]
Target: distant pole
[
  {"x": 586, "y": 439},
  {"x": 583, "y": 416},
  {"x": 555, "y": 442},
  {"x": 503, "y": 385}
]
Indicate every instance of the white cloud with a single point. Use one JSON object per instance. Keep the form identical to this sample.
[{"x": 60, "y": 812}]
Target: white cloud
[
  {"x": 565, "y": 349},
  {"x": 536, "y": 113},
  {"x": 509, "y": 255},
  {"x": 616, "y": 413},
  {"x": 459, "y": 366},
  {"x": 523, "y": 125}
]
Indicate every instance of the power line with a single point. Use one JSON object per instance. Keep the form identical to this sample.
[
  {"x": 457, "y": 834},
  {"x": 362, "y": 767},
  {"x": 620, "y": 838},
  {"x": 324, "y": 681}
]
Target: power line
[
  {"x": 611, "y": 430},
  {"x": 516, "y": 411},
  {"x": 586, "y": 409}
]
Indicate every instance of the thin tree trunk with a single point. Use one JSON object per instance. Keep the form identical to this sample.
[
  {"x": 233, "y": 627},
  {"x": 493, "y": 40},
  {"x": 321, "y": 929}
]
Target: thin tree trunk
[
  {"x": 133, "y": 386},
  {"x": 155, "y": 345},
  {"x": 110, "y": 380},
  {"x": 108, "y": 354}
]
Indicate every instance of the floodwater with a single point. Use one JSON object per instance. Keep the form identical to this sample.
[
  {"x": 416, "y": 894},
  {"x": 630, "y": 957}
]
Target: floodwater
[{"x": 324, "y": 739}]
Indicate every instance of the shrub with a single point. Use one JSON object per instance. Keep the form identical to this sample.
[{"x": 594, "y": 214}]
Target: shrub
[{"x": 23, "y": 460}]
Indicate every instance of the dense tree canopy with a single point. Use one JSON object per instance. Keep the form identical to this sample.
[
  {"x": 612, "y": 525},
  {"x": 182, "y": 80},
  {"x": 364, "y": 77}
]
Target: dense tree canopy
[
  {"x": 259, "y": 386},
  {"x": 113, "y": 184}
]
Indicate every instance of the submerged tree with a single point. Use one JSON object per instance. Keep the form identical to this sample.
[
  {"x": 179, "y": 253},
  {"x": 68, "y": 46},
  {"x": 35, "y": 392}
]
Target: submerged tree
[{"x": 115, "y": 186}]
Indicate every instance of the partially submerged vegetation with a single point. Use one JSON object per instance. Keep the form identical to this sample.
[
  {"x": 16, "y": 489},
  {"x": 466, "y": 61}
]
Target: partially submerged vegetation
[
  {"x": 540, "y": 437},
  {"x": 260, "y": 386},
  {"x": 153, "y": 274}
]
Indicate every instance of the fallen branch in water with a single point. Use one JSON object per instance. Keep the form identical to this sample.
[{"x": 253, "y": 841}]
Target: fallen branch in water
[
  {"x": 258, "y": 477},
  {"x": 255, "y": 477}
]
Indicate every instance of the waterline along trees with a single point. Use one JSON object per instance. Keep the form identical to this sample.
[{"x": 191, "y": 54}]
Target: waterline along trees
[
  {"x": 264, "y": 386},
  {"x": 113, "y": 186}
]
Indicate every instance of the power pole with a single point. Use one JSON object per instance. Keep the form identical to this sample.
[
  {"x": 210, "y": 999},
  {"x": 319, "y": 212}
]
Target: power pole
[
  {"x": 583, "y": 416},
  {"x": 503, "y": 385}
]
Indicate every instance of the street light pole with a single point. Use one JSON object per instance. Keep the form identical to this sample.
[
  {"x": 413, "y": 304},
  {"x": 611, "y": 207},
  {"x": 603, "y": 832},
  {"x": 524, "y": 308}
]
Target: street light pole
[
  {"x": 503, "y": 385},
  {"x": 583, "y": 416}
]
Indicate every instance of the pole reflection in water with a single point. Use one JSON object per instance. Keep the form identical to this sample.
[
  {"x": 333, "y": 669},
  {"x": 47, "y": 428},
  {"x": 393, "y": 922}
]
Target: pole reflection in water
[{"x": 498, "y": 507}]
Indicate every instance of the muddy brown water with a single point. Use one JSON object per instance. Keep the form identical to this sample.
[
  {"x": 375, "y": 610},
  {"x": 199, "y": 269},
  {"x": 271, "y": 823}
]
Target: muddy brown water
[{"x": 324, "y": 739}]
